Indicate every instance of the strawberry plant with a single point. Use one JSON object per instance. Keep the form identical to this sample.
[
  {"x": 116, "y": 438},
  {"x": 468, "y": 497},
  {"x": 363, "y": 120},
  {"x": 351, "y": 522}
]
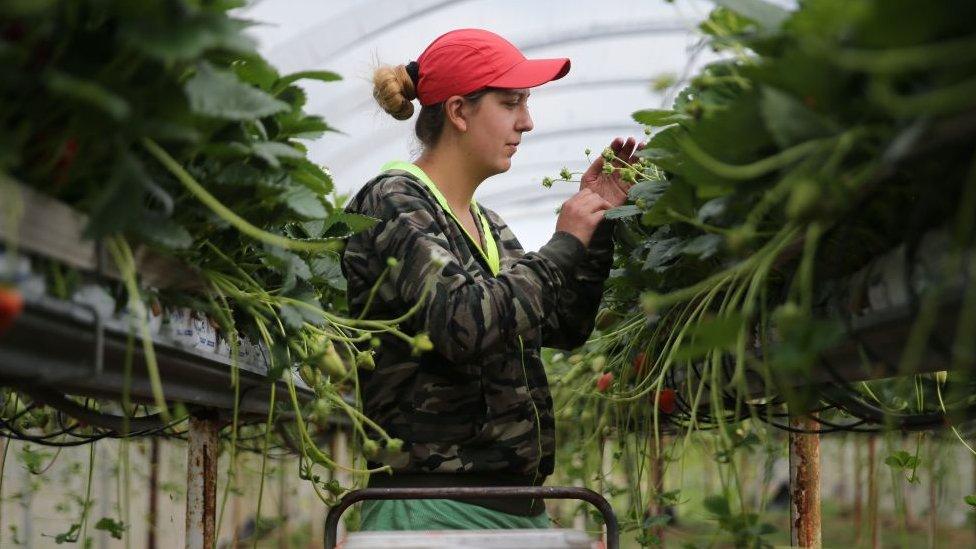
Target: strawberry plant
[
  {"x": 826, "y": 138},
  {"x": 161, "y": 122}
]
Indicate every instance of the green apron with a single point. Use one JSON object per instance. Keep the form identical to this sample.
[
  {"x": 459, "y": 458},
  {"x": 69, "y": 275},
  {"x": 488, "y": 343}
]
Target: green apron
[{"x": 441, "y": 514}]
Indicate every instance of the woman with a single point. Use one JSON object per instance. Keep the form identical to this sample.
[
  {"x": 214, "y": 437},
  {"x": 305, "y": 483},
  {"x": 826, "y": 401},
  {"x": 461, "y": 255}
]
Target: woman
[{"x": 474, "y": 410}]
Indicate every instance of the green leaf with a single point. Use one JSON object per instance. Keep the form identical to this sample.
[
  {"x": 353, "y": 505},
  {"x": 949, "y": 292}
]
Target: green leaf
[
  {"x": 221, "y": 94},
  {"x": 255, "y": 70},
  {"x": 679, "y": 197},
  {"x": 303, "y": 127},
  {"x": 717, "y": 505},
  {"x": 649, "y": 191},
  {"x": 657, "y": 521},
  {"x": 659, "y": 117},
  {"x": 310, "y": 310},
  {"x": 970, "y": 500},
  {"x": 304, "y": 202},
  {"x": 661, "y": 253},
  {"x": 113, "y": 527},
  {"x": 312, "y": 176},
  {"x": 118, "y": 204},
  {"x": 163, "y": 232},
  {"x": 88, "y": 92},
  {"x": 343, "y": 224},
  {"x": 768, "y": 16},
  {"x": 327, "y": 268},
  {"x": 789, "y": 121},
  {"x": 170, "y": 38},
  {"x": 271, "y": 151},
  {"x": 71, "y": 536},
  {"x": 288, "y": 79},
  {"x": 713, "y": 209},
  {"x": 620, "y": 212},
  {"x": 704, "y": 246},
  {"x": 719, "y": 333}
]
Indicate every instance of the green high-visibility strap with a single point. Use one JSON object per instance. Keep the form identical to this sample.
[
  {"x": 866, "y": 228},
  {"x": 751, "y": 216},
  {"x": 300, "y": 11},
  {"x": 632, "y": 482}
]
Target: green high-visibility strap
[{"x": 490, "y": 253}]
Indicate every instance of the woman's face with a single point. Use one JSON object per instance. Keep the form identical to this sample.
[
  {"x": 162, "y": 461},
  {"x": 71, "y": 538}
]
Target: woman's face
[{"x": 494, "y": 129}]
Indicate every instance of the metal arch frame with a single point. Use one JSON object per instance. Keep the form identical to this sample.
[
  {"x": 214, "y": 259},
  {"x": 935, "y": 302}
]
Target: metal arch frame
[
  {"x": 355, "y": 14},
  {"x": 524, "y": 45}
]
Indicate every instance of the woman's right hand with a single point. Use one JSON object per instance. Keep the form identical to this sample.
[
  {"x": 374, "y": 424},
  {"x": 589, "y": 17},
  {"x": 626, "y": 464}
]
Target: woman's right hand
[{"x": 580, "y": 215}]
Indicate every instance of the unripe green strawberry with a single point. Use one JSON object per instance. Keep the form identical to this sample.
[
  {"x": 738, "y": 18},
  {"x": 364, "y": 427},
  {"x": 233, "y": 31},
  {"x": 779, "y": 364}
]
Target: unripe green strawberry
[
  {"x": 805, "y": 200},
  {"x": 566, "y": 174},
  {"x": 331, "y": 363},
  {"x": 547, "y": 182},
  {"x": 598, "y": 363},
  {"x": 394, "y": 445},
  {"x": 370, "y": 447},
  {"x": 364, "y": 360},
  {"x": 649, "y": 302},
  {"x": 608, "y": 154},
  {"x": 422, "y": 344},
  {"x": 391, "y": 262},
  {"x": 739, "y": 238}
]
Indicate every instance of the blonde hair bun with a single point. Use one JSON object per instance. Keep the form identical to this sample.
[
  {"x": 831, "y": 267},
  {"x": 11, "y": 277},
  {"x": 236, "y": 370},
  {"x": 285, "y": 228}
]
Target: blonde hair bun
[{"x": 393, "y": 89}]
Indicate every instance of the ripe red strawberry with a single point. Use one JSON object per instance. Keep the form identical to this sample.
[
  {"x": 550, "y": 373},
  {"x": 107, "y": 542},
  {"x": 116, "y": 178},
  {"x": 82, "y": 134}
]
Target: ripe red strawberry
[
  {"x": 666, "y": 401},
  {"x": 11, "y": 305},
  {"x": 603, "y": 383}
]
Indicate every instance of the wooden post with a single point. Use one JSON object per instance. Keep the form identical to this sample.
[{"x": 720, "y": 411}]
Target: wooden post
[
  {"x": 153, "y": 518},
  {"x": 201, "y": 483},
  {"x": 805, "y": 485}
]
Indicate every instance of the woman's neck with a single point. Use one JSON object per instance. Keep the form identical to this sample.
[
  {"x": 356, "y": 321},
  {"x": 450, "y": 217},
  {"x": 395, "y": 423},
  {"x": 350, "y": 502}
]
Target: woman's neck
[{"x": 453, "y": 177}]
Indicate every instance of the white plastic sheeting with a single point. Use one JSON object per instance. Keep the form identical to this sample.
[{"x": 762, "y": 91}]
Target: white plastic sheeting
[{"x": 617, "y": 48}]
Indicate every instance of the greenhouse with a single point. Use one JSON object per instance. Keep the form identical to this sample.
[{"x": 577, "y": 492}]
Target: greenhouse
[{"x": 456, "y": 273}]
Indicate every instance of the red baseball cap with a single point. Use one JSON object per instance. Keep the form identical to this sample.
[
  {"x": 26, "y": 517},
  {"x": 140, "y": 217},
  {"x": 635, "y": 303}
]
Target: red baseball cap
[{"x": 466, "y": 60}]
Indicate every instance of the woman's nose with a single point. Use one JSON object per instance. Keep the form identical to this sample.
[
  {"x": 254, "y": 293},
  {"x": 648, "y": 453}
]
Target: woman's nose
[{"x": 524, "y": 122}]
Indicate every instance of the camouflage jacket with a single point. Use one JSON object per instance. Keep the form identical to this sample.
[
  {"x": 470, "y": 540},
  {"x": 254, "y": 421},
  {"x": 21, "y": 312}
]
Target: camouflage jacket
[{"x": 479, "y": 402}]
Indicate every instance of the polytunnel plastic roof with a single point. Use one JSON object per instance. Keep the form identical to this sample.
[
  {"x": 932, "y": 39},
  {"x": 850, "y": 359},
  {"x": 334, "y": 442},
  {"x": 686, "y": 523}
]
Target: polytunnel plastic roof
[{"x": 617, "y": 48}]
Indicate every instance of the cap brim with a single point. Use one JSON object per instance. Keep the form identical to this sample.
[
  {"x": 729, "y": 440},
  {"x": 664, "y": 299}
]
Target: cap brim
[{"x": 531, "y": 73}]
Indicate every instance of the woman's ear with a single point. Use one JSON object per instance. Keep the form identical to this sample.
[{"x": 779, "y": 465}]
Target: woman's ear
[{"x": 454, "y": 110}]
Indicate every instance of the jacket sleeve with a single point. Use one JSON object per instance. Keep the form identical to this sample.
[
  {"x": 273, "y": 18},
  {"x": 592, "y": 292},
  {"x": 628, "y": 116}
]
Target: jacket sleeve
[
  {"x": 463, "y": 316},
  {"x": 573, "y": 319}
]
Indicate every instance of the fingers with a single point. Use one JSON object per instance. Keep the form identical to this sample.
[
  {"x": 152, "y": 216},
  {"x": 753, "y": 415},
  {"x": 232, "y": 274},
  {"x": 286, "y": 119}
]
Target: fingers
[
  {"x": 627, "y": 150},
  {"x": 591, "y": 201},
  {"x": 634, "y": 158}
]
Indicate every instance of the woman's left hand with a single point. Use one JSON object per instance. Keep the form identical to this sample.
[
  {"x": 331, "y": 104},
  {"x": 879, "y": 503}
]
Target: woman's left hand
[{"x": 611, "y": 187}]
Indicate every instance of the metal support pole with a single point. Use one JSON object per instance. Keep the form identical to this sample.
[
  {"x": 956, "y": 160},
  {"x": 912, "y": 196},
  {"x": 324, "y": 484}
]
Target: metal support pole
[
  {"x": 805, "y": 485},
  {"x": 201, "y": 483}
]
